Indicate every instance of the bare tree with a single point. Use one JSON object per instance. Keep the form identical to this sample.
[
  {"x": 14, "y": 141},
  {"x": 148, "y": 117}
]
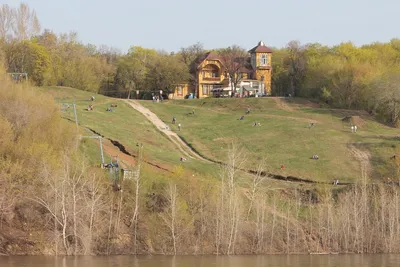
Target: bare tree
[
  {"x": 258, "y": 178},
  {"x": 296, "y": 62},
  {"x": 26, "y": 23},
  {"x": 7, "y": 15},
  {"x": 228, "y": 208},
  {"x": 93, "y": 200},
  {"x": 136, "y": 179},
  {"x": 170, "y": 217},
  {"x": 234, "y": 60},
  {"x": 58, "y": 196}
]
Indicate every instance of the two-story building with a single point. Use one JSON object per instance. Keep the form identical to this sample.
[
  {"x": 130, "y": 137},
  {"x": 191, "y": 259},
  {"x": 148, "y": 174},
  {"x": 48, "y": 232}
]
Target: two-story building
[{"x": 211, "y": 78}]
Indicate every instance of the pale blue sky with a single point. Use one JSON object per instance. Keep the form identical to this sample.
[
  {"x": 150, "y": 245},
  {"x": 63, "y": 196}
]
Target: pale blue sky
[{"x": 172, "y": 24}]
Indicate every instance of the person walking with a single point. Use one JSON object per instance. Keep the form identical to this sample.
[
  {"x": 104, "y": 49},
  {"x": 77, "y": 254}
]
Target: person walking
[
  {"x": 179, "y": 126},
  {"x": 173, "y": 120}
]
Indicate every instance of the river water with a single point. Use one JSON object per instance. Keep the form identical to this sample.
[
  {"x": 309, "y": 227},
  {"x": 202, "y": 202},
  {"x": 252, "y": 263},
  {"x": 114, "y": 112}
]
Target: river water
[{"x": 377, "y": 260}]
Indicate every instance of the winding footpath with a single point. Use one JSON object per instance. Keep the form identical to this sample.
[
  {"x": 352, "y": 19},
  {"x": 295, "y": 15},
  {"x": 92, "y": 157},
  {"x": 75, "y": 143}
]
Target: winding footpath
[
  {"x": 362, "y": 156},
  {"x": 162, "y": 127}
]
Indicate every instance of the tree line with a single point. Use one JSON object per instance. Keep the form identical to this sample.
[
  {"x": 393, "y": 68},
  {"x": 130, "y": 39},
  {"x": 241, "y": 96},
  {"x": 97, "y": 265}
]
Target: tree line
[{"x": 343, "y": 76}]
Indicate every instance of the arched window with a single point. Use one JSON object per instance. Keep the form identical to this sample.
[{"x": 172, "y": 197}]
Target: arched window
[{"x": 263, "y": 60}]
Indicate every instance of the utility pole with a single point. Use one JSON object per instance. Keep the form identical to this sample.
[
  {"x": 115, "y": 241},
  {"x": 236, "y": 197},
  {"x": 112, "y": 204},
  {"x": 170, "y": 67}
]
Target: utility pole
[{"x": 76, "y": 116}]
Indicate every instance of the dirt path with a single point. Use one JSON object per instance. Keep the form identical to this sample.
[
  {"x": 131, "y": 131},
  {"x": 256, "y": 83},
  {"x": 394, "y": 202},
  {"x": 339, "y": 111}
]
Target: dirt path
[
  {"x": 363, "y": 157},
  {"x": 162, "y": 127},
  {"x": 184, "y": 148},
  {"x": 280, "y": 102},
  {"x": 125, "y": 160}
]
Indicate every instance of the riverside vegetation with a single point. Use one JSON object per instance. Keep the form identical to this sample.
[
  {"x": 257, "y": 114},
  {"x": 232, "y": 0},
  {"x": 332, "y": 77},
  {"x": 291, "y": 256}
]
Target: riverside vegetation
[{"x": 55, "y": 200}]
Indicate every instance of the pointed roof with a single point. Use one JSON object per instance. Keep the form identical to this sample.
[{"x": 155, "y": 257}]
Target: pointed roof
[
  {"x": 260, "y": 48},
  {"x": 210, "y": 56}
]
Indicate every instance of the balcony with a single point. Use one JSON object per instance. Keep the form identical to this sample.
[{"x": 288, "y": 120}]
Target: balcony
[{"x": 212, "y": 79}]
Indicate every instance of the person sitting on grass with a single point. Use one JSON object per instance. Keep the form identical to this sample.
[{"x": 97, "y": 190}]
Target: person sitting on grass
[{"x": 241, "y": 118}]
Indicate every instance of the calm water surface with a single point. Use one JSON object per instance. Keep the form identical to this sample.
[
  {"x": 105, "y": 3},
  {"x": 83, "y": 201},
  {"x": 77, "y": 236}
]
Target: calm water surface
[{"x": 381, "y": 260}]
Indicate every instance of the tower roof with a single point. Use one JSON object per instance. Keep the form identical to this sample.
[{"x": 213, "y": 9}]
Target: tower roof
[{"x": 260, "y": 48}]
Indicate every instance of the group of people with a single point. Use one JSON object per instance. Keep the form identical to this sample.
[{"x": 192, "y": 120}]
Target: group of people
[
  {"x": 247, "y": 111},
  {"x": 174, "y": 121},
  {"x": 157, "y": 98}
]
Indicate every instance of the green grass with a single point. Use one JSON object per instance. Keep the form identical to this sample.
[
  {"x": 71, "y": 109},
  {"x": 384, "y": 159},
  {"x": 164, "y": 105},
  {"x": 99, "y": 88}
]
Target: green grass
[
  {"x": 283, "y": 138},
  {"x": 124, "y": 125}
]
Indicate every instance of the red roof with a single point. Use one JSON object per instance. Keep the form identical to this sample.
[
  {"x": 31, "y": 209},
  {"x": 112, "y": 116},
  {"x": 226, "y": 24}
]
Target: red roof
[
  {"x": 212, "y": 56},
  {"x": 209, "y": 56},
  {"x": 260, "y": 48}
]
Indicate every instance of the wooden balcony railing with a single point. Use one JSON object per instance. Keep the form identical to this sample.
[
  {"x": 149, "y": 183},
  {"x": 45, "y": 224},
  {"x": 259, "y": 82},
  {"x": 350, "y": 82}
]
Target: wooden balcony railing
[{"x": 212, "y": 78}]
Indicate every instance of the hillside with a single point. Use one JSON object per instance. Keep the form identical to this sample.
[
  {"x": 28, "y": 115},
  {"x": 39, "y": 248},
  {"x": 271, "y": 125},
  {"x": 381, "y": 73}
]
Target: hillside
[
  {"x": 54, "y": 202},
  {"x": 125, "y": 127},
  {"x": 284, "y": 136}
]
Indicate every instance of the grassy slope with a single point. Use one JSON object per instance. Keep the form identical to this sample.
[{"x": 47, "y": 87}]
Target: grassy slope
[
  {"x": 283, "y": 137},
  {"x": 124, "y": 125}
]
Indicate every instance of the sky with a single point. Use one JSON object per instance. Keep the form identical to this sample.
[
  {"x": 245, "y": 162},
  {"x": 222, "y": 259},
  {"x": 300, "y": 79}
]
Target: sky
[{"x": 172, "y": 24}]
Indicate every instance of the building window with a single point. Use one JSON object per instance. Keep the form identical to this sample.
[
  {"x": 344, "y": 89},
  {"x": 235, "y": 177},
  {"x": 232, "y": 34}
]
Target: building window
[
  {"x": 215, "y": 74},
  {"x": 180, "y": 91},
  {"x": 264, "y": 60}
]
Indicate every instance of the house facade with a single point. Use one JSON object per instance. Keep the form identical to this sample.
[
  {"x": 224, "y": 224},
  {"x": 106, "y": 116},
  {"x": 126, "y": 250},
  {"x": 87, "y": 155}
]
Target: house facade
[{"x": 211, "y": 78}]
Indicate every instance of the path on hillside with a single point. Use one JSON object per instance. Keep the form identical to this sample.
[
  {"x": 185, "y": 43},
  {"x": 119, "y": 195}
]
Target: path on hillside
[
  {"x": 188, "y": 151},
  {"x": 363, "y": 157},
  {"x": 162, "y": 127},
  {"x": 281, "y": 103},
  {"x": 126, "y": 161},
  {"x": 115, "y": 148}
]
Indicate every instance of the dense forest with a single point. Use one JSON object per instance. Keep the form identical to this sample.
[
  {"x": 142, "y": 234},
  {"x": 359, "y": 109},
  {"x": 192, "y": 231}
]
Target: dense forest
[{"x": 53, "y": 202}]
